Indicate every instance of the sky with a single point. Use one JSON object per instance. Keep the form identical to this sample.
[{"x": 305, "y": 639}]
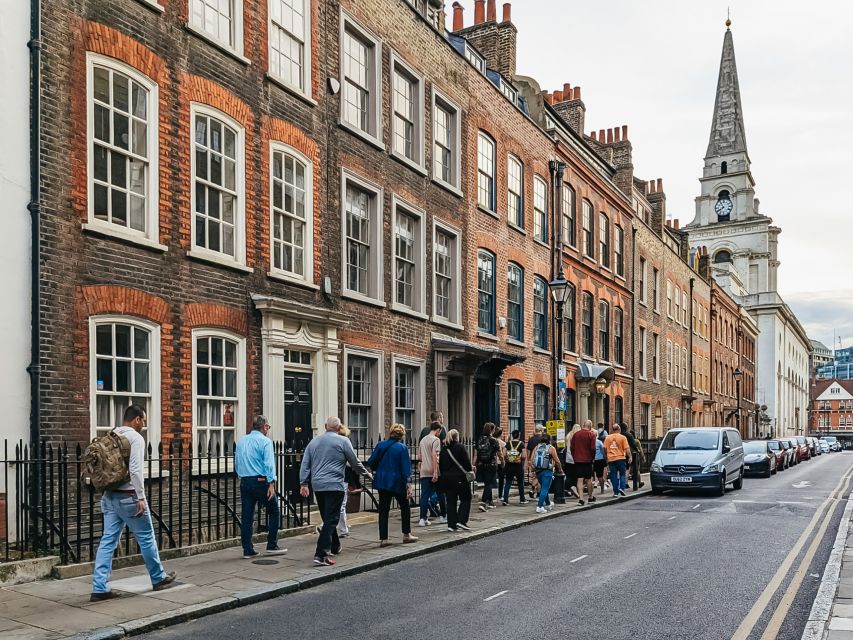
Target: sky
[{"x": 653, "y": 65}]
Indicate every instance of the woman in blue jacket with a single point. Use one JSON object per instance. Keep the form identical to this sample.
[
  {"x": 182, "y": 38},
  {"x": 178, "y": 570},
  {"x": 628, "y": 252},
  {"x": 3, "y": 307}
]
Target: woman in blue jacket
[{"x": 393, "y": 469}]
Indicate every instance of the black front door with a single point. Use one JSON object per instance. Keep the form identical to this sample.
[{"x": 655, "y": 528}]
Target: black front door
[
  {"x": 297, "y": 409},
  {"x": 485, "y": 403}
]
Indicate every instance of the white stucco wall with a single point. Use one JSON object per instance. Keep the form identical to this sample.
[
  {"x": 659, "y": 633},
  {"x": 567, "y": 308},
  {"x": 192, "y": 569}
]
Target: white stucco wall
[{"x": 15, "y": 222}]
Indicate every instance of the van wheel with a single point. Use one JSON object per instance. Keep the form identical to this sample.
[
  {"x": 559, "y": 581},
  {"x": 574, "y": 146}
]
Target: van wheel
[
  {"x": 656, "y": 491},
  {"x": 721, "y": 490},
  {"x": 738, "y": 484}
]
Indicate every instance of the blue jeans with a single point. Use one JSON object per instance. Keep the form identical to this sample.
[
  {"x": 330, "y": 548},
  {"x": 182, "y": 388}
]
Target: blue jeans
[
  {"x": 253, "y": 492},
  {"x": 618, "y": 479},
  {"x": 545, "y": 478},
  {"x": 119, "y": 509},
  {"x": 428, "y": 490}
]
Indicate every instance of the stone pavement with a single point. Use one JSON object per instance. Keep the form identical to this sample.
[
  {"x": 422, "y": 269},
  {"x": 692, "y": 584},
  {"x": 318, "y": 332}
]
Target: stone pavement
[{"x": 220, "y": 580}]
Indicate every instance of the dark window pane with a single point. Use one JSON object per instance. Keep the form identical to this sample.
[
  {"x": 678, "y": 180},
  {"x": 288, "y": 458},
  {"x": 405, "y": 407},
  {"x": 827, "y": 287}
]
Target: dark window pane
[
  {"x": 202, "y": 351},
  {"x": 231, "y": 384},
  {"x": 101, "y": 157},
  {"x": 118, "y": 167},
  {"x": 102, "y": 206},
  {"x": 122, "y": 340},
  {"x": 216, "y": 382},
  {"x": 119, "y": 207},
  {"x": 216, "y": 352},
  {"x": 230, "y": 354},
  {"x": 140, "y": 373},
  {"x": 120, "y": 131},
  {"x": 104, "y": 340},
  {"x": 202, "y": 381},
  {"x": 122, "y": 375},
  {"x": 105, "y": 375}
]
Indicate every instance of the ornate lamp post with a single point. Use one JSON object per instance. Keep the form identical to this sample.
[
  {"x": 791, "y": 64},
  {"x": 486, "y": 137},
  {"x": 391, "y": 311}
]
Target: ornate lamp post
[
  {"x": 559, "y": 287},
  {"x": 737, "y": 374}
]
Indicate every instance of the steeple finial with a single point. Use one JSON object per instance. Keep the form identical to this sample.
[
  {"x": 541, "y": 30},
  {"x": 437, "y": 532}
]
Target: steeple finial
[{"x": 728, "y": 17}]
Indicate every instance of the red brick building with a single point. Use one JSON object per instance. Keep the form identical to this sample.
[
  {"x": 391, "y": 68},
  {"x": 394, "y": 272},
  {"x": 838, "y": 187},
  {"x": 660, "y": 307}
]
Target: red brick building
[{"x": 832, "y": 407}]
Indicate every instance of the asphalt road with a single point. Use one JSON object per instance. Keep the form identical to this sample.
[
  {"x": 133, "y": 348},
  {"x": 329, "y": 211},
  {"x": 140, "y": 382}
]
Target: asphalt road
[{"x": 670, "y": 567}]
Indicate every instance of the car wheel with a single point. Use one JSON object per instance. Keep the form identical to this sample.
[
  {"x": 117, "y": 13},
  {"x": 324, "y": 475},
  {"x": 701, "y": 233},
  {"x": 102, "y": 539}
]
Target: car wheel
[
  {"x": 769, "y": 473},
  {"x": 738, "y": 484},
  {"x": 721, "y": 490},
  {"x": 656, "y": 491}
]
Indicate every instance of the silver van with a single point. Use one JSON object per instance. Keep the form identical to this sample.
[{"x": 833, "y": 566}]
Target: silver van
[{"x": 699, "y": 458}]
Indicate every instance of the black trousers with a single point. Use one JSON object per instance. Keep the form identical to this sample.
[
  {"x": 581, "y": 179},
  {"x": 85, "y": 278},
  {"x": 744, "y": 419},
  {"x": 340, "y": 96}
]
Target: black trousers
[
  {"x": 488, "y": 473},
  {"x": 513, "y": 471},
  {"x": 635, "y": 471},
  {"x": 458, "y": 502},
  {"x": 329, "y": 505},
  {"x": 385, "y": 498}
]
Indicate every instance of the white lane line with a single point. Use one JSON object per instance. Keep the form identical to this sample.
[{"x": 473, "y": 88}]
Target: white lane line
[
  {"x": 672, "y": 518},
  {"x": 789, "y": 502},
  {"x": 751, "y": 501},
  {"x": 631, "y": 536},
  {"x": 696, "y": 506},
  {"x": 578, "y": 559},
  {"x": 497, "y": 595}
]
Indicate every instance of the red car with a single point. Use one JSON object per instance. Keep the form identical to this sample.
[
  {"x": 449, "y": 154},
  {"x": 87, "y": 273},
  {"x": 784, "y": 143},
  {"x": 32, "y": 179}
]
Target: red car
[
  {"x": 778, "y": 450},
  {"x": 802, "y": 448}
]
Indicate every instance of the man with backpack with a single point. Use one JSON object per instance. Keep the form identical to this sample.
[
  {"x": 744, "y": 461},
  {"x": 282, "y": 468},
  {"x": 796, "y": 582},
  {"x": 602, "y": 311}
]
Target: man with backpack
[
  {"x": 123, "y": 503},
  {"x": 537, "y": 437},
  {"x": 544, "y": 460},
  {"x": 485, "y": 461},
  {"x": 583, "y": 453},
  {"x": 637, "y": 457},
  {"x": 515, "y": 457}
]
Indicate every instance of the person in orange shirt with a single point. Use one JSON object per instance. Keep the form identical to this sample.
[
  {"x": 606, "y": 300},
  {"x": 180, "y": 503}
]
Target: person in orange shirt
[{"x": 618, "y": 453}]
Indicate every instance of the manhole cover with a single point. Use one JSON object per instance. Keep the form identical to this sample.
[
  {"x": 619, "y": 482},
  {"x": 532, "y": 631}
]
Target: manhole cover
[{"x": 265, "y": 562}]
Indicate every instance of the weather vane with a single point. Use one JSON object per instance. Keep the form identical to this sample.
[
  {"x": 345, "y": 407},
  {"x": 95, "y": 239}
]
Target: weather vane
[{"x": 728, "y": 17}]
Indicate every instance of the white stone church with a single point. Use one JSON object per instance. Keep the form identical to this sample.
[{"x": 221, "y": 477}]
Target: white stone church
[{"x": 743, "y": 245}]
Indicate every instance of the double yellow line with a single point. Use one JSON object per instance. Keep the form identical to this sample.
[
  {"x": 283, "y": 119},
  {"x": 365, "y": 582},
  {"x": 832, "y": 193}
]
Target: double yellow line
[{"x": 826, "y": 510}]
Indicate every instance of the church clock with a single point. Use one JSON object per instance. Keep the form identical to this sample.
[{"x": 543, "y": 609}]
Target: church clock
[{"x": 724, "y": 205}]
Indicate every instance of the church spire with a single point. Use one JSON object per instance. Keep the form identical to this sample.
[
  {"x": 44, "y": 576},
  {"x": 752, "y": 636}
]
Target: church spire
[{"x": 727, "y": 130}]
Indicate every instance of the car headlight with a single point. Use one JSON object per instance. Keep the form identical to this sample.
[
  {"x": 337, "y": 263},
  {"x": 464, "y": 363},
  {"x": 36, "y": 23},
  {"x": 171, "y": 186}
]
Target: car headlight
[
  {"x": 711, "y": 468},
  {"x": 655, "y": 467}
]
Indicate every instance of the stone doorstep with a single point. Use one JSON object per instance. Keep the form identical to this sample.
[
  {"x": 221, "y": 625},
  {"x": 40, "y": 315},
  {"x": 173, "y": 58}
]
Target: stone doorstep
[{"x": 29, "y": 570}]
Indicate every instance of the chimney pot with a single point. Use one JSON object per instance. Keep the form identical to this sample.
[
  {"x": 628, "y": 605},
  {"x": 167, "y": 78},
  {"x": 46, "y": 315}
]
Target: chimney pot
[
  {"x": 676, "y": 223},
  {"x": 660, "y": 185},
  {"x": 491, "y": 12},
  {"x": 616, "y": 136},
  {"x": 458, "y": 22},
  {"x": 479, "y": 11},
  {"x": 651, "y": 186},
  {"x": 601, "y": 136},
  {"x": 567, "y": 91},
  {"x": 577, "y": 93},
  {"x": 558, "y": 96},
  {"x": 549, "y": 97},
  {"x": 507, "y": 12},
  {"x": 610, "y": 136},
  {"x": 593, "y": 136},
  {"x": 625, "y": 132}
]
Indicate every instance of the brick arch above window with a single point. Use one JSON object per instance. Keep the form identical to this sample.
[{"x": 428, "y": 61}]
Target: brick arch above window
[
  {"x": 99, "y": 38},
  {"x": 207, "y": 92},
  {"x": 277, "y": 130},
  {"x": 108, "y": 299},
  {"x": 205, "y": 314}
]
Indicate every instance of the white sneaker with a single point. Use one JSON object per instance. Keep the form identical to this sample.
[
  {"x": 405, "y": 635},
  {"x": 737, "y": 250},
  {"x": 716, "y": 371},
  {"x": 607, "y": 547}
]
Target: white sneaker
[
  {"x": 541, "y": 510},
  {"x": 442, "y": 520},
  {"x": 549, "y": 506},
  {"x": 424, "y": 523}
]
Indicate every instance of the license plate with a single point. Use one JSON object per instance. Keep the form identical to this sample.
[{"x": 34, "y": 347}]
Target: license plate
[
  {"x": 746, "y": 467},
  {"x": 681, "y": 479}
]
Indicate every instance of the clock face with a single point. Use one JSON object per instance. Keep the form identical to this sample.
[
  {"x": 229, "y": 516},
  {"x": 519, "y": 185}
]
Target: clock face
[{"x": 723, "y": 207}]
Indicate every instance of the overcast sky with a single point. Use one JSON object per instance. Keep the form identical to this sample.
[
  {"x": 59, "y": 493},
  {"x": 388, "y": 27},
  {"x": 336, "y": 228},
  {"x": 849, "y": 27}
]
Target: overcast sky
[{"x": 653, "y": 65}]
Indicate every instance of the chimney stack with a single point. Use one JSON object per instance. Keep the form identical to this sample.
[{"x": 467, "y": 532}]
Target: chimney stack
[
  {"x": 577, "y": 95},
  {"x": 491, "y": 11},
  {"x": 676, "y": 223},
  {"x": 458, "y": 22},
  {"x": 594, "y": 136},
  {"x": 558, "y": 96},
  {"x": 479, "y": 11},
  {"x": 567, "y": 91},
  {"x": 507, "y": 17},
  {"x": 616, "y": 136},
  {"x": 610, "y": 136},
  {"x": 625, "y": 132},
  {"x": 601, "y": 136},
  {"x": 660, "y": 185},
  {"x": 651, "y": 188}
]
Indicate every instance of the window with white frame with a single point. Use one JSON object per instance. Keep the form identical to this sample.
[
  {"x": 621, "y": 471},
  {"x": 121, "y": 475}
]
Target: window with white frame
[
  {"x": 509, "y": 91},
  {"x": 515, "y": 191},
  {"x": 446, "y": 274},
  {"x": 604, "y": 330},
  {"x": 219, "y": 372},
  {"x": 123, "y": 146},
  {"x": 669, "y": 423},
  {"x": 541, "y": 408},
  {"x": 408, "y": 257},
  {"x": 515, "y": 405},
  {"x": 476, "y": 60},
  {"x": 485, "y": 171},
  {"x": 221, "y": 20},
  {"x": 618, "y": 347},
  {"x": 604, "y": 240},
  {"x": 586, "y": 323},
  {"x": 217, "y": 184},
  {"x": 289, "y": 36},
  {"x": 568, "y": 224},
  {"x": 446, "y": 134},
  {"x": 540, "y": 313},
  {"x": 619, "y": 250},
  {"x": 655, "y": 289},
  {"x": 641, "y": 355},
  {"x": 407, "y": 112},
  {"x": 362, "y": 241},
  {"x": 360, "y": 72},
  {"x": 292, "y": 214},
  {"x": 642, "y": 280},
  {"x": 540, "y": 209},
  {"x": 676, "y": 365},
  {"x": 363, "y": 399},
  {"x": 569, "y": 319},
  {"x": 669, "y": 361},
  {"x": 684, "y": 308},
  {"x": 588, "y": 237},
  {"x": 486, "y": 292},
  {"x": 677, "y": 313},
  {"x": 515, "y": 302},
  {"x": 656, "y": 357},
  {"x": 684, "y": 372},
  {"x": 408, "y": 391},
  {"x": 125, "y": 369},
  {"x": 669, "y": 298}
]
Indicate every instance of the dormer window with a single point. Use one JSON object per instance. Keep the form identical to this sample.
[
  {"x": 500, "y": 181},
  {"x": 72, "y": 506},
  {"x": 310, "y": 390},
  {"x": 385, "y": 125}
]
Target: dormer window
[
  {"x": 478, "y": 61},
  {"x": 510, "y": 92}
]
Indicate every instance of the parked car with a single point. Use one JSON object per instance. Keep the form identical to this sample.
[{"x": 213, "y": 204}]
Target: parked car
[
  {"x": 815, "y": 446},
  {"x": 824, "y": 446},
  {"x": 780, "y": 453},
  {"x": 701, "y": 458},
  {"x": 758, "y": 459},
  {"x": 804, "y": 447},
  {"x": 832, "y": 441},
  {"x": 790, "y": 452}
]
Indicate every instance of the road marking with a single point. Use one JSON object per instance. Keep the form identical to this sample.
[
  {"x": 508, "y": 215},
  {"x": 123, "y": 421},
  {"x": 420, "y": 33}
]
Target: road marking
[
  {"x": 696, "y": 506},
  {"x": 631, "y": 536},
  {"x": 748, "y": 623},
  {"x": 578, "y": 559},
  {"x": 497, "y": 595},
  {"x": 743, "y": 501},
  {"x": 672, "y": 518},
  {"x": 802, "y": 484},
  {"x": 790, "y": 502}
]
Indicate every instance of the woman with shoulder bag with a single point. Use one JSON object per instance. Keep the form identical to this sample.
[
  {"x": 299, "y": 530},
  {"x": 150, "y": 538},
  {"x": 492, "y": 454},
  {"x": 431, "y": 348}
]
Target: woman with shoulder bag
[
  {"x": 393, "y": 469},
  {"x": 455, "y": 478}
]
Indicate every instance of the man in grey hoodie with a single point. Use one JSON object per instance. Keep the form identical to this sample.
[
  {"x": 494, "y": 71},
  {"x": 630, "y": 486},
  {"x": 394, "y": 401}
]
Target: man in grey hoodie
[{"x": 323, "y": 464}]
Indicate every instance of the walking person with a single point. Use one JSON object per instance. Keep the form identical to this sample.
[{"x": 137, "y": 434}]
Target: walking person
[
  {"x": 599, "y": 464},
  {"x": 454, "y": 466},
  {"x": 126, "y": 506},
  {"x": 353, "y": 483},
  {"x": 254, "y": 462},
  {"x": 637, "y": 457},
  {"x": 390, "y": 459},
  {"x": 569, "y": 466},
  {"x": 583, "y": 451},
  {"x": 485, "y": 461},
  {"x": 602, "y": 432},
  {"x": 618, "y": 456},
  {"x": 537, "y": 437},
  {"x": 434, "y": 416},
  {"x": 544, "y": 461},
  {"x": 501, "y": 460},
  {"x": 515, "y": 460},
  {"x": 323, "y": 463},
  {"x": 429, "y": 450}
]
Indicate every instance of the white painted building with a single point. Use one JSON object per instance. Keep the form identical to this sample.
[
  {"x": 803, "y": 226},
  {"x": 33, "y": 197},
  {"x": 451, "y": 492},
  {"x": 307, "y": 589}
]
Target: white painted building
[
  {"x": 743, "y": 245},
  {"x": 15, "y": 225}
]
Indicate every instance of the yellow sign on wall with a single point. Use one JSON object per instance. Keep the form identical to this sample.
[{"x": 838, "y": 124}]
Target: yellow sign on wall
[{"x": 557, "y": 429}]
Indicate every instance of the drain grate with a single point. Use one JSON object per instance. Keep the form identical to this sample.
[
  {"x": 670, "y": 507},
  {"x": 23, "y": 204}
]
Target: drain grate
[{"x": 265, "y": 562}]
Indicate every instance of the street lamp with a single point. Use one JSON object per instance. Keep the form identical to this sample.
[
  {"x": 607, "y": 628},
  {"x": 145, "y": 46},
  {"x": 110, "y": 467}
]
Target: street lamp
[
  {"x": 737, "y": 374},
  {"x": 559, "y": 287}
]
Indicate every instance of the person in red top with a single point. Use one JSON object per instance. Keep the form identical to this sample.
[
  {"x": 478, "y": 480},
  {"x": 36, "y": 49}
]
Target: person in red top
[{"x": 583, "y": 452}]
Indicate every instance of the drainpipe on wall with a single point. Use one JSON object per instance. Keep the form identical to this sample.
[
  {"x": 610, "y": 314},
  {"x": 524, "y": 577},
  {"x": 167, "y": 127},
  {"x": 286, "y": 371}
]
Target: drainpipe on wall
[
  {"x": 634, "y": 396},
  {"x": 690, "y": 348}
]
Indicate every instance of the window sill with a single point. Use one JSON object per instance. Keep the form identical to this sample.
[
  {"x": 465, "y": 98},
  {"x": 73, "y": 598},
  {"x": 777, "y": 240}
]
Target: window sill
[
  {"x": 294, "y": 91},
  {"x": 494, "y": 214},
  {"x": 643, "y": 378},
  {"x": 214, "y": 258},
  {"x": 152, "y": 4},
  {"x": 106, "y": 231},
  {"x": 606, "y": 268},
  {"x": 446, "y": 323},
  {"x": 487, "y": 336},
  {"x": 622, "y": 278},
  {"x": 448, "y": 187},
  {"x": 541, "y": 351},
  {"x": 542, "y": 243},
  {"x": 516, "y": 343},
  {"x": 414, "y": 166},
  {"x": 283, "y": 277},
  {"x": 398, "y": 308},
  {"x": 657, "y": 311},
  {"x": 569, "y": 248},
  {"x": 224, "y": 48},
  {"x": 371, "y": 140},
  {"x": 644, "y": 303},
  {"x": 516, "y": 228},
  {"x": 574, "y": 354},
  {"x": 358, "y": 297}
]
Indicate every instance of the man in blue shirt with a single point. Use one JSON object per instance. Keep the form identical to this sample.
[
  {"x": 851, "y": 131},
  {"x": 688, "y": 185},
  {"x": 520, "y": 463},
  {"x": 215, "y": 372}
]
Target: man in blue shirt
[{"x": 254, "y": 462}]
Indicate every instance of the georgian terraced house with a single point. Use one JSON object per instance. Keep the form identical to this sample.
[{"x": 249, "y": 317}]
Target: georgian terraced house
[{"x": 340, "y": 207}]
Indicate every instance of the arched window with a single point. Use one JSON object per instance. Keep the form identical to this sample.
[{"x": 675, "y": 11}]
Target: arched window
[
  {"x": 604, "y": 330},
  {"x": 722, "y": 257},
  {"x": 586, "y": 323},
  {"x": 724, "y": 168},
  {"x": 515, "y": 302},
  {"x": 569, "y": 320},
  {"x": 486, "y": 292},
  {"x": 540, "y": 313}
]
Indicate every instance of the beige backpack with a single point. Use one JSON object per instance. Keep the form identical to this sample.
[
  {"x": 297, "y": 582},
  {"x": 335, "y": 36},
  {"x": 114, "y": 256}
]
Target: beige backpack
[{"x": 105, "y": 462}]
